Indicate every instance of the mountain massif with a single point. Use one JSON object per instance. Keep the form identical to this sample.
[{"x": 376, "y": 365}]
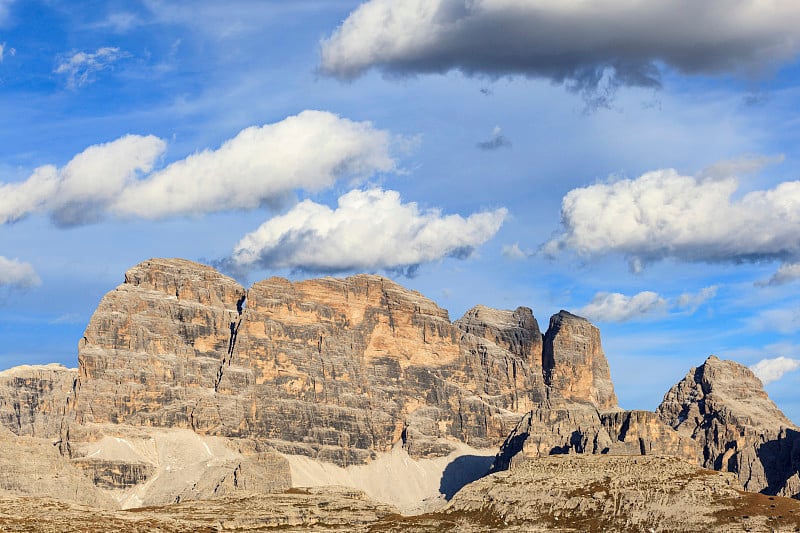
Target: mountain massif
[{"x": 190, "y": 387}]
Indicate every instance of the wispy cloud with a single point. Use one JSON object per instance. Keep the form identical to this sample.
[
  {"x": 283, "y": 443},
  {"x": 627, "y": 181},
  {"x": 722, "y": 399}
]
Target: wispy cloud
[
  {"x": 119, "y": 22},
  {"x": 260, "y": 165},
  {"x": 15, "y": 273},
  {"x": 369, "y": 230},
  {"x": 5, "y": 50},
  {"x": 5, "y": 6},
  {"x": 514, "y": 253},
  {"x": 769, "y": 370},
  {"x": 691, "y": 301},
  {"x": 785, "y": 320},
  {"x": 81, "y": 68},
  {"x": 497, "y": 140},
  {"x": 68, "y": 318},
  {"x": 787, "y": 273}
]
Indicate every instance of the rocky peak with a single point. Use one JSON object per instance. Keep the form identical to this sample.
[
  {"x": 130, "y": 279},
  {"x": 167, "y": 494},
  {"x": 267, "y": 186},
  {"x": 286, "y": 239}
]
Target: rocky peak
[
  {"x": 186, "y": 280},
  {"x": 573, "y": 362},
  {"x": 517, "y": 331},
  {"x": 723, "y": 389},
  {"x": 723, "y": 406}
]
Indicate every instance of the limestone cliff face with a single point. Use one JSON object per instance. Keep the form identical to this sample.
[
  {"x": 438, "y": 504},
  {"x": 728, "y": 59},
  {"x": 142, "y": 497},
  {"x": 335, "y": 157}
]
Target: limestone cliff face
[
  {"x": 33, "y": 399},
  {"x": 154, "y": 346},
  {"x": 575, "y": 367},
  {"x": 723, "y": 406},
  {"x": 337, "y": 369}
]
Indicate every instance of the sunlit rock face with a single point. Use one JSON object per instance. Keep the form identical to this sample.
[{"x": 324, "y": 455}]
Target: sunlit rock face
[
  {"x": 575, "y": 366},
  {"x": 723, "y": 406},
  {"x": 336, "y": 369}
]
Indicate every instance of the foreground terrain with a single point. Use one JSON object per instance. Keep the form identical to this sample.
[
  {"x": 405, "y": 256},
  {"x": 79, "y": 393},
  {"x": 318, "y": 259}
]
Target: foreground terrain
[{"x": 560, "y": 493}]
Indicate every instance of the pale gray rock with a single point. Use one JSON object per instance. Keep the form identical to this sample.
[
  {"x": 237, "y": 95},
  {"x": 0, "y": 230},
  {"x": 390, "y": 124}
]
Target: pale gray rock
[{"x": 723, "y": 406}]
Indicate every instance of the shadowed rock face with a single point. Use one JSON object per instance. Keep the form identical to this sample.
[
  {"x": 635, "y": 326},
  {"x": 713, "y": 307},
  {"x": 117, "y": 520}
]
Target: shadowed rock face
[
  {"x": 583, "y": 430},
  {"x": 336, "y": 369},
  {"x": 723, "y": 406}
]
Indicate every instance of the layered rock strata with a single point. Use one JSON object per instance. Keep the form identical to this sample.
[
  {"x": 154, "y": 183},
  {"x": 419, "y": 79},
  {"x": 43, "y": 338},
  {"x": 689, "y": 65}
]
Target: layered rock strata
[
  {"x": 574, "y": 363},
  {"x": 34, "y": 399},
  {"x": 723, "y": 406},
  {"x": 330, "y": 368}
]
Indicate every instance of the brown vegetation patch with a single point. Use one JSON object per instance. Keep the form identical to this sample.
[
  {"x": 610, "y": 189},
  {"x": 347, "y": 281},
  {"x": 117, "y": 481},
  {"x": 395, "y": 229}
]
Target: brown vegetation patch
[{"x": 754, "y": 511}]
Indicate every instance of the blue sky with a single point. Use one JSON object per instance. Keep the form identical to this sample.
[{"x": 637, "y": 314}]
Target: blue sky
[{"x": 635, "y": 162}]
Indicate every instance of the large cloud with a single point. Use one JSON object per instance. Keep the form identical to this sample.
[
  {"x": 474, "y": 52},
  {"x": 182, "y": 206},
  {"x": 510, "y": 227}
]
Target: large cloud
[
  {"x": 17, "y": 274},
  {"x": 369, "y": 230},
  {"x": 567, "y": 41},
  {"x": 81, "y": 190},
  {"x": 663, "y": 214},
  {"x": 309, "y": 151},
  {"x": 769, "y": 370}
]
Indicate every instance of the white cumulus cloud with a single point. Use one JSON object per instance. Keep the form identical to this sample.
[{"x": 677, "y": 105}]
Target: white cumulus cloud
[
  {"x": 369, "y": 230},
  {"x": 769, "y": 370},
  {"x": 618, "y": 307},
  {"x": 17, "y": 274},
  {"x": 80, "y": 68},
  {"x": 80, "y": 191},
  {"x": 663, "y": 214},
  {"x": 582, "y": 44},
  {"x": 309, "y": 151}
]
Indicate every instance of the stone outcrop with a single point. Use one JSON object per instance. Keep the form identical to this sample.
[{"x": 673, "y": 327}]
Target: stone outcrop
[
  {"x": 31, "y": 466},
  {"x": 553, "y": 494},
  {"x": 34, "y": 399},
  {"x": 582, "y": 430},
  {"x": 618, "y": 493},
  {"x": 723, "y": 406}
]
